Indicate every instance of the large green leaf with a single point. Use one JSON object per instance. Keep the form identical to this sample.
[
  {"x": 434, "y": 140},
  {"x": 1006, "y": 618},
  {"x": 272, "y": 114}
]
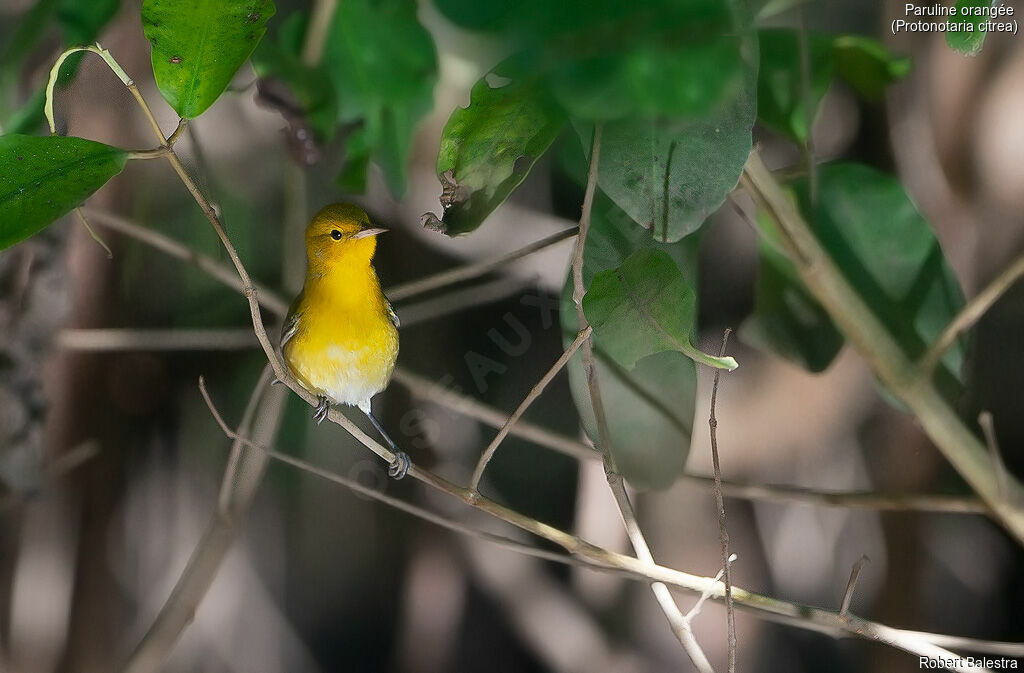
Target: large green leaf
[
  {"x": 488, "y": 148},
  {"x": 384, "y": 67},
  {"x": 41, "y": 178},
  {"x": 645, "y": 306},
  {"x": 199, "y": 45},
  {"x": 786, "y": 105},
  {"x": 669, "y": 175},
  {"x": 607, "y": 59},
  {"x": 970, "y": 40},
  {"x": 889, "y": 254},
  {"x": 650, "y": 408}
]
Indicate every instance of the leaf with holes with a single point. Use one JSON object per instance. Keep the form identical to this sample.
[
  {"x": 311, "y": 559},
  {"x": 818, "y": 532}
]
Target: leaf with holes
[
  {"x": 199, "y": 45},
  {"x": 488, "y": 148},
  {"x": 42, "y": 178}
]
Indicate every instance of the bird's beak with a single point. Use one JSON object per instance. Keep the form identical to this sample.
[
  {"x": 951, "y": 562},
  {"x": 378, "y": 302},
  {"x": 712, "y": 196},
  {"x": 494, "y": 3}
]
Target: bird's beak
[{"x": 363, "y": 233}]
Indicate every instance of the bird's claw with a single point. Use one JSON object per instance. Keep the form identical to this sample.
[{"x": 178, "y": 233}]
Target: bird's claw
[
  {"x": 321, "y": 410},
  {"x": 399, "y": 466}
]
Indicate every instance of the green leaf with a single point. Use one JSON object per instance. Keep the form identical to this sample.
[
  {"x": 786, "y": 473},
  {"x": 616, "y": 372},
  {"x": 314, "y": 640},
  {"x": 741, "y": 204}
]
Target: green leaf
[
  {"x": 488, "y": 148},
  {"x": 787, "y": 320},
  {"x": 384, "y": 67},
  {"x": 29, "y": 117},
  {"x": 970, "y": 41},
  {"x": 82, "y": 22},
  {"x": 649, "y": 64},
  {"x": 42, "y": 178},
  {"x": 645, "y": 306},
  {"x": 671, "y": 174},
  {"x": 889, "y": 254},
  {"x": 650, "y": 408},
  {"x": 606, "y": 59},
  {"x": 783, "y": 103},
  {"x": 476, "y": 15},
  {"x": 199, "y": 45},
  {"x": 311, "y": 87}
]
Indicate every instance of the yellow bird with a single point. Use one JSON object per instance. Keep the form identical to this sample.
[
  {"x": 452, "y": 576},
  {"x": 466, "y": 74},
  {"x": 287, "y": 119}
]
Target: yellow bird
[{"x": 340, "y": 339}]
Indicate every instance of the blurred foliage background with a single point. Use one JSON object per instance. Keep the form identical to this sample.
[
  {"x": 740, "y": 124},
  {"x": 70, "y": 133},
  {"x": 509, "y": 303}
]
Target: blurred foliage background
[{"x": 465, "y": 127}]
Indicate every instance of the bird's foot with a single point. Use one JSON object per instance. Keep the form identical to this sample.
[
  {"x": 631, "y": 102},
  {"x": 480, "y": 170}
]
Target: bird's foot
[
  {"x": 399, "y": 466},
  {"x": 321, "y": 410}
]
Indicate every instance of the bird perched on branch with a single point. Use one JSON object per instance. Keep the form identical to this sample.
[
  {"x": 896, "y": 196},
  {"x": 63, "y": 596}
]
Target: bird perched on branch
[{"x": 340, "y": 339}]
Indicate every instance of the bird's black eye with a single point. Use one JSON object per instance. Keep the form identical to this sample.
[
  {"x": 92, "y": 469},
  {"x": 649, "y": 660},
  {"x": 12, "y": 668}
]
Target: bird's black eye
[{"x": 336, "y": 235}]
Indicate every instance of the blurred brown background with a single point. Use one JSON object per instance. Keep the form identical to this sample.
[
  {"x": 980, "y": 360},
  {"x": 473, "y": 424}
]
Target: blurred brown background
[{"x": 323, "y": 580}]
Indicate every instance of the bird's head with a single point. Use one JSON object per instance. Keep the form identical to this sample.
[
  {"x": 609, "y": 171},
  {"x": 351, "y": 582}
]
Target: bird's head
[{"x": 341, "y": 233}]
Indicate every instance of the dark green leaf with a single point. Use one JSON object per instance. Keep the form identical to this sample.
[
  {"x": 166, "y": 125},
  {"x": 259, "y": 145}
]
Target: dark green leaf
[
  {"x": 866, "y": 65},
  {"x": 671, "y": 174},
  {"x": 42, "y": 178},
  {"x": 970, "y": 40},
  {"x": 608, "y": 59},
  {"x": 888, "y": 253},
  {"x": 650, "y": 408},
  {"x": 488, "y": 148},
  {"x": 384, "y": 67},
  {"x": 83, "y": 20},
  {"x": 645, "y": 306},
  {"x": 782, "y": 103},
  {"x": 648, "y": 65},
  {"x": 29, "y": 117},
  {"x": 785, "y": 105},
  {"x": 198, "y": 46},
  {"x": 476, "y": 15},
  {"x": 787, "y": 320}
]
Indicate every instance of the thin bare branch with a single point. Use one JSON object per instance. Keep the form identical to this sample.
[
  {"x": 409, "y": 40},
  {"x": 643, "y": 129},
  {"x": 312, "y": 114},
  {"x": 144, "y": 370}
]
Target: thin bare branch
[
  {"x": 883, "y": 354},
  {"x": 851, "y": 585},
  {"x": 120, "y": 339},
  {"x": 705, "y": 595},
  {"x": 601, "y": 560},
  {"x": 792, "y": 613},
  {"x": 92, "y": 233},
  {"x": 468, "y": 271},
  {"x": 242, "y": 477},
  {"x": 988, "y": 429},
  {"x": 534, "y": 393},
  {"x": 675, "y": 618},
  {"x": 971, "y": 313},
  {"x": 723, "y": 531},
  {"x": 211, "y": 267}
]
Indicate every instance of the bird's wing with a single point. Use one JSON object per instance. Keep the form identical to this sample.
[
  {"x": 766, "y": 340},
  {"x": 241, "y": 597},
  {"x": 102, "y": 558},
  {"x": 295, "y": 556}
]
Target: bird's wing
[
  {"x": 291, "y": 323},
  {"x": 391, "y": 314}
]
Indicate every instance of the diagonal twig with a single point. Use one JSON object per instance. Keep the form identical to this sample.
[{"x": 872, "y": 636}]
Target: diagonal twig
[
  {"x": 618, "y": 487},
  {"x": 851, "y": 585},
  {"x": 534, "y": 393}
]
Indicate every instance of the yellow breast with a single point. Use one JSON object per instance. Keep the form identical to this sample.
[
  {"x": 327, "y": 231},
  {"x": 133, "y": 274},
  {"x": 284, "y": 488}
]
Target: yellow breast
[{"x": 344, "y": 343}]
